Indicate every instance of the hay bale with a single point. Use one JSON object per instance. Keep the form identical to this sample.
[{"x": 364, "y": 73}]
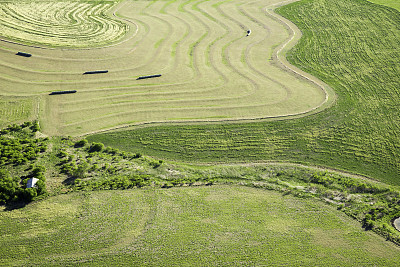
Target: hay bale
[
  {"x": 147, "y": 77},
  {"x": 62, "y": 92},
  {"x": 22, "y": 54},
  {"x": 96, "y": 72}
]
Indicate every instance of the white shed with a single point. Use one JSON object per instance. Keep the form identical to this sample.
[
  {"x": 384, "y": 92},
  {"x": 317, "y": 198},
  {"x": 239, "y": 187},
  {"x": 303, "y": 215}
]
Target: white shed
[{"x": 31, "y": 182}]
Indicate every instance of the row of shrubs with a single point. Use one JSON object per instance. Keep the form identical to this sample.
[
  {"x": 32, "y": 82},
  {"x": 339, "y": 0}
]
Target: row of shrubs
[{"x": 114, "y": 182}]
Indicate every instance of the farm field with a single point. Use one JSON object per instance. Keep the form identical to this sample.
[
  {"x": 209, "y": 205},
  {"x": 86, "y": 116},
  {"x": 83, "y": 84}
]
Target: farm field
[
  {"x": 216, "y": 225},
  {"x": 351, "y": 45},
  {"x": 210, "y": 69},
  {"x": 192, "y": 141}
]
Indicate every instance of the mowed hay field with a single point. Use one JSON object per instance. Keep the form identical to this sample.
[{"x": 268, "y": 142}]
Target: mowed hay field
[
  {"x": 192, "y": 226},
  {"x": 210, "y": 70},
  {"x": 352, "y": 45}
]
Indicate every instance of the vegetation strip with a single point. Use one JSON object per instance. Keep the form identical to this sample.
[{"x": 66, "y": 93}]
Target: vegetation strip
[{"x": 76, "y": 165}]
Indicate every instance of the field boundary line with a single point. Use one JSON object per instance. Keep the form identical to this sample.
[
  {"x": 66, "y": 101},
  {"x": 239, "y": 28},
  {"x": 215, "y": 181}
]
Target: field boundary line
[
  {"x": 292, "y": 164},
  {"x": 270, "y": 10}
]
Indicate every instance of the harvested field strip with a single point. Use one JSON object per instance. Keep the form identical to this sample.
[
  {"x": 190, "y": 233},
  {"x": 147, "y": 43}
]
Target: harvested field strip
[
  {"x": 350, "y": 44},
  {"x": 17, "y": 109},
  {"x": 210, "y": 69}
]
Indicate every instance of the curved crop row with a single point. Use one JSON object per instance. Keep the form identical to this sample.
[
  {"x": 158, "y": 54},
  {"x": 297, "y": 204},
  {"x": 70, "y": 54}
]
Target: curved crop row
[
  {"x": 65, "y": 23},
  {"x": 211, "y": 70},
  {"x": 349, "y": 44}
]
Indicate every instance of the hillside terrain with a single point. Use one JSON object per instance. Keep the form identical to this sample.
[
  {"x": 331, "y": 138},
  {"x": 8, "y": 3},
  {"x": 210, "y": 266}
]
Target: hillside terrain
[{"x": 199, "y": 132}]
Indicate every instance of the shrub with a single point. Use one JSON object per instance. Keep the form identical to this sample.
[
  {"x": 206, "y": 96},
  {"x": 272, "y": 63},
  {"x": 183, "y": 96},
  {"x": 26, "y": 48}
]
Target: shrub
[
  {"x": 81, "y": 170},
  {"x": 81, "y": 143},
  {"x": 35, "y": 126},
  {"x": 96, "y": 147}
]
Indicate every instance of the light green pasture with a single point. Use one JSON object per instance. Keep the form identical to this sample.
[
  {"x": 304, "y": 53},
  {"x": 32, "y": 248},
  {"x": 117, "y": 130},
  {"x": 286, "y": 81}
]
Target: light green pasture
[{"x": 192, "y": 226}]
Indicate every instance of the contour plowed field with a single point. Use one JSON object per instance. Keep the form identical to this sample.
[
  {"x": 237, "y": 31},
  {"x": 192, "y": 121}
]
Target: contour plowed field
[
  {"x": 60, "y": 23},
  {"x": 210, "y": 69}
]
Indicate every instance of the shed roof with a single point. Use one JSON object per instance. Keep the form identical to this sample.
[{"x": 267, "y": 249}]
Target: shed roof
[{"x": 31, "y": 182}]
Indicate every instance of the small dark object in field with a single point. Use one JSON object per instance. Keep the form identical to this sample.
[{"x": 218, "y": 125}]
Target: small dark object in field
[
  {"x": 147, "y": 77},
  {"x": 248, "y": 32},
  {"x": 63, "y": 92},
  {"x": 96, "y": 72},
  {"x": 22, "y": 54}
]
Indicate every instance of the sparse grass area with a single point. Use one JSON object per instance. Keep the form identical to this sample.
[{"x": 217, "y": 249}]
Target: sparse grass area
[
  {"x": 218, "y": 225},
  {"x": 351, "y": 45}
]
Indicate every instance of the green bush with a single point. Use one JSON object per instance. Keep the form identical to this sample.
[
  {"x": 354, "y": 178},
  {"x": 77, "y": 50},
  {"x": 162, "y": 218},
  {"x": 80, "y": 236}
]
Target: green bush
[
  {"x": 81, "y": 143},
  {"x": 96, "y": 147}
]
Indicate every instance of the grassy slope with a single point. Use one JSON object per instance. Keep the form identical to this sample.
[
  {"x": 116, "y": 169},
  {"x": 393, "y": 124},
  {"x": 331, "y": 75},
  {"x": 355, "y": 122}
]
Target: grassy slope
[
  {"x": 225, "y": 225},
  {"x": 352, "y": 46}
]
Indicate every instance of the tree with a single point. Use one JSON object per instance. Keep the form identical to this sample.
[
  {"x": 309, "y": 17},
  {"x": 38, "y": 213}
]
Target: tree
[{"x": 8, "y": 187}]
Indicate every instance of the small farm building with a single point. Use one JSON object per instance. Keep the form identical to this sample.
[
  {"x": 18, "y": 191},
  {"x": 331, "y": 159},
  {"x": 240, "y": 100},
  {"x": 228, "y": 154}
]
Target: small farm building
[{"x": 31, "y": 182}]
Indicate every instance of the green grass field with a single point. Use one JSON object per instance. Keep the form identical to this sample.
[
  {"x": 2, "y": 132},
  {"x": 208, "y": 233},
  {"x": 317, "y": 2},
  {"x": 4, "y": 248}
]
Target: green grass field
[
  {"x": 219, "y": 225},
  {"x": 210, "y": 70},
  {"x": 223, "y": 97},
  {"x": 352, "y": 46},
  {"x": 389, "y": 3}
]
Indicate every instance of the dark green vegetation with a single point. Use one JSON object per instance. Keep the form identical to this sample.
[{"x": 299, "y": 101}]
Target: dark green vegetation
[
  {"x": 352, "y": 45},
  {"x": 19, "y": 151},
  {"x": 76, "y": 165},
  {"x": 191, "y": 226}
]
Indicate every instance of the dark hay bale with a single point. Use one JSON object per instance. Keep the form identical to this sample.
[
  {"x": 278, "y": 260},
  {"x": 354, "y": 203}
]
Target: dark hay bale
[
  {"x": 147, "y": 77},
  {"x": 22, "y": 54},
  {"x": 63, "y": 92},
  {"x": 96, "y": 72}
]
